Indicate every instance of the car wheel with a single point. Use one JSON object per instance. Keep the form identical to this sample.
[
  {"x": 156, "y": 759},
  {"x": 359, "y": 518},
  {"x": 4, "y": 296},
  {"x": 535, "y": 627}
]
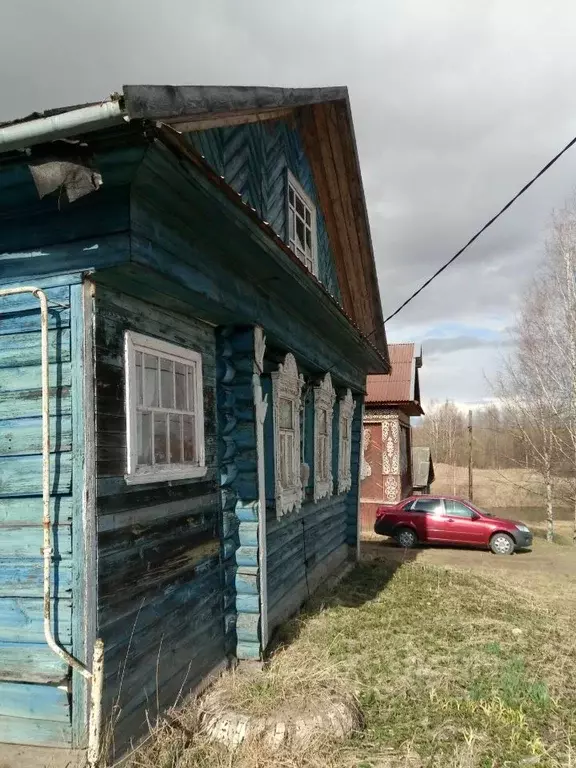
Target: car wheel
[
  {"x": 406, "y": 537},
  {"x": 502, "y": 544}
]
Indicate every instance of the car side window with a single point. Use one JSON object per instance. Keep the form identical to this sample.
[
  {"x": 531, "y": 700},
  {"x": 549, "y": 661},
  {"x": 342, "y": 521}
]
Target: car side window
[
  {"x": 431, "y": 506},
  {"x": 457, "y": 509}
]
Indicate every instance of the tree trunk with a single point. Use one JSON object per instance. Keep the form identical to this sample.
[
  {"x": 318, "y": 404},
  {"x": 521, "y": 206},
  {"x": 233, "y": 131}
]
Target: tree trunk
[{"x": 549, "y": 505}]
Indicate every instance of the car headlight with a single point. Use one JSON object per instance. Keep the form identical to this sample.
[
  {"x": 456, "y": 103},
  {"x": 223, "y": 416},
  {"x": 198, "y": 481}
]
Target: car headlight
[{"x": 523, "y": 528}]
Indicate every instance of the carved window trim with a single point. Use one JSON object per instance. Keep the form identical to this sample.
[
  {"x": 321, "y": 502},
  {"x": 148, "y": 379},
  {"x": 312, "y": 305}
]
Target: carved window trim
[
  {"x": 324, "y": 399},
  {"x": 345, "y": 418},
  {"x": 287, "y": 386}
]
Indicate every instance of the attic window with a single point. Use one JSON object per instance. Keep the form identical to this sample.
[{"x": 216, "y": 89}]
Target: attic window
[{"x": 302, "y": 225}]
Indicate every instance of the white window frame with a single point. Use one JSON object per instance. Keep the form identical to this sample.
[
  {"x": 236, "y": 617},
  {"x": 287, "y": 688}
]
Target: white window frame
[
  {"x": 305, "y": 199},
  {"x": 287, "y": 384},
  {"x": 154, "y": 473},
  {"x": 324, "y": 399},
  {"x": 345, "y": 419}
]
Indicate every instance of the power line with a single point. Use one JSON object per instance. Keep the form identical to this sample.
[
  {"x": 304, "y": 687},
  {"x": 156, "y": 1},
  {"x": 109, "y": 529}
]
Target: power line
[{"x": 484, "y": 228}]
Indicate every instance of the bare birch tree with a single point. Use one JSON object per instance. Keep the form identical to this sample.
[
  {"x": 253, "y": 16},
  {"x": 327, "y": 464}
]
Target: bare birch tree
[{"x": 528, "y": 418}]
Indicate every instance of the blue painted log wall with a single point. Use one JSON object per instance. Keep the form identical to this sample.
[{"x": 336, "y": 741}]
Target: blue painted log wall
[
  {"x": 239, "y": 489},
  {"x": 160, "y": 574},
  {"x": 254, "y": 159},
  {"x": 306, "y": 547},
  {"x": 34, "y": 683},
  {"x": 170, "y": 573}
]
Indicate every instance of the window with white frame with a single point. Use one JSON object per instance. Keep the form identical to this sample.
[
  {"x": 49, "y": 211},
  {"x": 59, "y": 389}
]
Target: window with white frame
[
  {"x": 324, "y": 397},
  {"x": 346, "y": 414},
  {"x": 302, "y": 225},
  {"x": 164, "y": 409},
  {"x": 286, "y": 402}
]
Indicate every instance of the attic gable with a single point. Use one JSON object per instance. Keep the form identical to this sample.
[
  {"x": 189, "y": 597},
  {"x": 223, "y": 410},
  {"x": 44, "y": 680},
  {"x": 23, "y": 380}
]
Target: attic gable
[{"x": 324, "y": 120}]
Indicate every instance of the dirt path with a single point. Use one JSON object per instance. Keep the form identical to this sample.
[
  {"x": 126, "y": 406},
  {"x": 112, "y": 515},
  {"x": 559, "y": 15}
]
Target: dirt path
[{"x": 548, "y": 571}]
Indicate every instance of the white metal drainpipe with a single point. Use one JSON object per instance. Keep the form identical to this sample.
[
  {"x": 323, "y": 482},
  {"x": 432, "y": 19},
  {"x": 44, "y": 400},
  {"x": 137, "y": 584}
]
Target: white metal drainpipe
[{"x": 96, "y": 674}]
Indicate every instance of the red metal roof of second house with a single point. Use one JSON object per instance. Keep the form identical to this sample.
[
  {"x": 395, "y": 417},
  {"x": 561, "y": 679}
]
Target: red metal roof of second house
[{"x": 401, "y": 386}]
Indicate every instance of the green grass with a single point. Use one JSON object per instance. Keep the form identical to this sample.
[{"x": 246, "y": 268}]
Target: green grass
[{"x": 451, "y": 670}]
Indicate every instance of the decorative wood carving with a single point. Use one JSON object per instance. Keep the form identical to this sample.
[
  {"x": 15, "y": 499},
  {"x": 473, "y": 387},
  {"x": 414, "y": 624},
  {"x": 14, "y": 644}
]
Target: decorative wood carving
[
  {"x": 324, "y": 398},
  {"x": 365, "y": 469},
  {"x": 287, "y": 386},
  {"x": 346, "y": 414}
]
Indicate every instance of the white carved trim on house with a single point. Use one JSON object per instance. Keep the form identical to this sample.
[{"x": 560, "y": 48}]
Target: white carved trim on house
[
  {"x": 287, "y": 384},
  {"x": 365, "y": 468},
  {"x": 324, "y": 399},
  {"x": 346, "y": 414}
]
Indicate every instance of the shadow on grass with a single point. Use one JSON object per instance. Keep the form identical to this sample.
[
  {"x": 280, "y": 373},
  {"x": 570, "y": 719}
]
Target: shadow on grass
[{"x": 379, "y": 562}]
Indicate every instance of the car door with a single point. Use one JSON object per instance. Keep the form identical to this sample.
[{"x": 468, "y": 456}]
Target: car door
[
  {"x": 462, "y": 525},
  {"x": 429, "y": 513}
]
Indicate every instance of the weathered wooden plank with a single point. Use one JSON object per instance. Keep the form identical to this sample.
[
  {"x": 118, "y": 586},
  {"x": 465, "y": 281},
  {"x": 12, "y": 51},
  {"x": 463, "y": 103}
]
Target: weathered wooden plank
[
  {"x": 32, "y": 663},
  {"x": 47, "y": 283},
  {"x": 180, "y": 656},
  {"x": 27, "y": 378},
  {"x": 136, "y": 571},
  {"x": 26, "y": 302},
  {"x": 24, "y": 348},
  {"x": 28, "y": 511},
  {"x": 117, "y": 310},
  {"x": 206, "y": 504},
  {"x": 24, "y": 322},
  {"x": 37, "y": 702},
  {"x": 97, "y": 253},
  {"x": 84, "y": 571},
  {"x": 22, "y": 475},
  {"x": 24, "y": 730},
  {"x": 118, "y": 622},
  {"x": 22, "y": 620},
  {"x": 28, "y": 403},
  {"x": 24, "y": 578},
  {"x": 288, "y": 603},
  {"x": 24, "y": 436},
  {"x": 188, "y": 620},
  {"x": 134, "y": 721},
  {"x": 27, "y": 541}
]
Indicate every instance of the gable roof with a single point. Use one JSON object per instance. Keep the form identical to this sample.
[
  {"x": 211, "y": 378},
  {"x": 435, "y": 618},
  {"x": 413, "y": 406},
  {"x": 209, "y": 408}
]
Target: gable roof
[
  {"x": 325, "y": 120},
  {"x": 402, "y": 386}
]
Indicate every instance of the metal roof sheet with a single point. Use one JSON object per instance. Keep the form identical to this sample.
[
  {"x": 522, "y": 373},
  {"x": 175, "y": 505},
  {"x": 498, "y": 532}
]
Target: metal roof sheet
[{"x": 400, "y": 385}]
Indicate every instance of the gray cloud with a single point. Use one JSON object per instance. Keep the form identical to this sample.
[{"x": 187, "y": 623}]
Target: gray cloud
[
  {"x": 439, "y": 347},
  {"x": 455, "y": 104}
]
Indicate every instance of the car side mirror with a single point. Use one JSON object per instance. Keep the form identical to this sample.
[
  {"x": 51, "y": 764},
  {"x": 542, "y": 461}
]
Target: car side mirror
[{"x": 475, "y": 516}]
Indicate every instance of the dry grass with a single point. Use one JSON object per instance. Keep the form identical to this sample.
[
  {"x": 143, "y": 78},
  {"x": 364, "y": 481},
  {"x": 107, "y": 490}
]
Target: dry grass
[
  {"x": 294, "y": 683},
  {"x": 494, "y": 487},
  {"x": 453, "y": 669}
]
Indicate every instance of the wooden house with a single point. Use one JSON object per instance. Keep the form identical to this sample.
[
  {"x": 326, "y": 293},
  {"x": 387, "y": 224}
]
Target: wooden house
[
  {"x": 391, "y": 401},
  {"x": 189, "y": 308},
  {"x": 422, "y": 470}
]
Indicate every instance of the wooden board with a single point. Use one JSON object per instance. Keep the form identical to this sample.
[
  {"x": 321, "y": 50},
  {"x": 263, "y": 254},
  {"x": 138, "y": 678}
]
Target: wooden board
[
  {"x": 31, "y": 701},
  {"x": 31, "y": 663},
  {"x": 22, "y": 620}
]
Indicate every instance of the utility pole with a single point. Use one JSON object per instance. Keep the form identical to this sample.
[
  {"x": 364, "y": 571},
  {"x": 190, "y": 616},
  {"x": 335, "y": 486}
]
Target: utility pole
[{"x": 470, "y": 478}]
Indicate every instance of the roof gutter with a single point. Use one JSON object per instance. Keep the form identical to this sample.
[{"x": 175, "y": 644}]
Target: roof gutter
[{"x": 77, "y": 121}]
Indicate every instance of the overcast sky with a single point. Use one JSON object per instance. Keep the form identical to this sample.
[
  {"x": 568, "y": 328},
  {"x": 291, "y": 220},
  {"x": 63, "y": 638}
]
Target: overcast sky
[{"x": 456, "y": 104}]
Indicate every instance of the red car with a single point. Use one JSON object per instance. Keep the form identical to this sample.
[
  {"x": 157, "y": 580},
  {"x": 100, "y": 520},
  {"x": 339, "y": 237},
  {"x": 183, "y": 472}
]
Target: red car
[{"x": 447, "y": 520}]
